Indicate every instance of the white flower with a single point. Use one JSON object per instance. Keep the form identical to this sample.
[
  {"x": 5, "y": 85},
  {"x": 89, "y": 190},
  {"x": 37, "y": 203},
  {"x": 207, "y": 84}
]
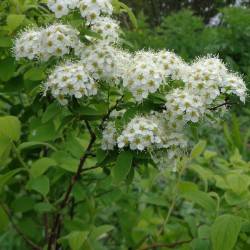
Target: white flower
[
  {"x": 70, "y": 80},
  {"x": 107, "y": 28},
  {"x": 143, "y": 76},
  {"x": 171, "y": 64},
  {"x": 204, "y": 78},
  {"x": 234, "y": 84},
  {"x": 55, "y": 40},
  {"x": 139, "y": 134},
  {"x": 91, "y": 9},
  {"x": 109, "y": 136},
  {"x": 184, "y": 106},
  {"x": 103, "y": 61},
  {"x": 62, "y": 7},
  {"x": 27, "y": 44}
]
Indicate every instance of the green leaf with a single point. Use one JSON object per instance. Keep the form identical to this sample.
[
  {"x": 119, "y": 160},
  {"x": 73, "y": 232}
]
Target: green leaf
[
  {"x": 234, "y": 199},
  {"x": 201, "y": 198},
  {"x": 225, "y": 231},
  {"x": 154, "y": 199},
  {"x": 34, "y": 74},
  {"x": 209, "y": 154},
  {"x": 238, "y": 183},
  {"x": 76, "y": 239},
  {"x": 14, "y": 21},
  {"x": 100, "y": 155},
  {"x": 125, "y": 8},
  {"x": 204, "y": 173},
  {"x": 73, "y": 146},
  {"x": 34, "y": 144},
  {"x": 5, "y": 42},
  {"x": 6, "y": 177},
  {"x": 91, "y": 113},
  {"x": 198, "y": 149},
  {"x": 186, "y": 186},
  {"x": 5, "y": 146},
  {"x": 65, "y": 161},
  {"x": 227, "y": 135},
  {"x": 22, "y": 204},
  {"x": 7, "y": 69},
  {"x": 39, "y": 184},
  {"x": 236, "y": 134},
  {"x": 51, "y": 111},
  {"x": 4, "y": 220},
  {"x": 41, "y": 166},
  {"x": 43, "y": 207},
  {"x": 46, "y": 132},
  {"x": 10, "y": 126},
  {"x": 122, "y": 167},
  {"x": 101, "y": 231}
]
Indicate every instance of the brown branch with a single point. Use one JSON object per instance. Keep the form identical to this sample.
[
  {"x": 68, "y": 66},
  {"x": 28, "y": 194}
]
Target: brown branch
[
  {"x": 75, "y": 177},
  {"x": 25, "y": 238},
  {"x": 221, "y": 105},
  {"x": 46, "y": 226},
  {"x": 162, "y": 245},
  {"x": 91, "y": 132},
  {"x": 57, "y": 222},
  {"x": 91, "y": 168}
]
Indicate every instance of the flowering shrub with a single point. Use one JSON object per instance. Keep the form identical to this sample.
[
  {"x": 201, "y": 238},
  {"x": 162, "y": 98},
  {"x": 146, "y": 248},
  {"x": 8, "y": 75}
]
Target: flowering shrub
[
  {"x": 203, "y": 84},
  {"x": 97, "y": 106}
]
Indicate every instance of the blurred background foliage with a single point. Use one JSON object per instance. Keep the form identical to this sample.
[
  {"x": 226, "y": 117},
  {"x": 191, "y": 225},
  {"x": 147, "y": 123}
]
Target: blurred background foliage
[{"x": 189, "y": 36}]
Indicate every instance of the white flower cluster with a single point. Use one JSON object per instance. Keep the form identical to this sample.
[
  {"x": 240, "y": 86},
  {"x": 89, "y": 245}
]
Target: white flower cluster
[
  {"x": 103, "y": 61},
  {"x": 207, "y": 78},
  {"x": 143, "y": 75},
  {"x": 42, "y": 44},
  {"x": 109, "y": 136},
  {"x": 89, "y": 9},
  {"x": 171, "y": 65},
  {"x": 107, "y": 28},
  {"x": 171, "y": 133},
  {"x": 140, "y": 133},
  {"x": 27, "y": 44},
  {"x": 184, "y": 106},
  {"x": 57, "y": 40},
  {"x": 62, "y": 7},
  {"x": 202, "y": 83},
  {"x": 204, "y": 78},
  {"x": 70, "y": 80},
  {"x": 234, "y": 84}
]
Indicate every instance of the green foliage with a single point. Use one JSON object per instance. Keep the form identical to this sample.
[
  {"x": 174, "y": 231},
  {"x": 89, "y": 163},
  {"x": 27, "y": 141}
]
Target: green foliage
[
  {"x": 123, "y": 166},
  {"x": 225, "y": 231},
  {"x": 188, "y": 36}
]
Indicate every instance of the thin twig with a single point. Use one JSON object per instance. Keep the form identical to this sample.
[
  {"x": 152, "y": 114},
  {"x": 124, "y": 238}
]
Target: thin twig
[
  {"x": 173, "y": 203},
  {"x": 46, "y": 226},
  {"x": 18, "y": 156},
  {"x": 91, "y": 132},
  {"x": 105, "y": 117},
  {"x": 91, "y": 168},
  {"x": 25, "y": 238},
  {"x": 221, "y": 105}
]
